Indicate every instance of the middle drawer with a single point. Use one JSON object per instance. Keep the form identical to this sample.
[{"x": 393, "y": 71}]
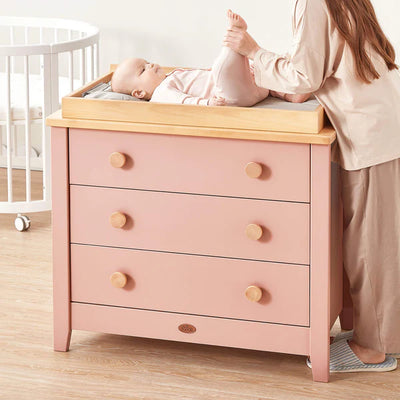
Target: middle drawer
[{"x": 196, "y": 224}]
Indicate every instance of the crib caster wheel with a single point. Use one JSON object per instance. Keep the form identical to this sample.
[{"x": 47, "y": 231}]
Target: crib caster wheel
[{"x": 22, "y": 222}]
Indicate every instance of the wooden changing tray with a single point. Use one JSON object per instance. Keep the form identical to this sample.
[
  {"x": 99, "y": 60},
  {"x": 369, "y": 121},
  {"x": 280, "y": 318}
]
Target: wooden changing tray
[{"x": 270, "y": 115}]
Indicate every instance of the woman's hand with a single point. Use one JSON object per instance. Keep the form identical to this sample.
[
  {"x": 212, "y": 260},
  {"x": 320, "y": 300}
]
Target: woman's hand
[{"x": 241, "y": 42}]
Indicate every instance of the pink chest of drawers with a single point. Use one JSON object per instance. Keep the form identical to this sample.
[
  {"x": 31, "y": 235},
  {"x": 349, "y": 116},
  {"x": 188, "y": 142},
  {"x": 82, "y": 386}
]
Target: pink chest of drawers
[{"x": 208, "y": 240}]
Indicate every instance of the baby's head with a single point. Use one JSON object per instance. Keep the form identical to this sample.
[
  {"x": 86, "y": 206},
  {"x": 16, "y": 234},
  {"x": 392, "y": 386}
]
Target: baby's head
[{"x": 137, "y": 77}]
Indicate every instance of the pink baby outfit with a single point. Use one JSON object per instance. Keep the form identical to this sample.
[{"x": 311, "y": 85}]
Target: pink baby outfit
[
  {"x": 230, "y": 77},
  {"x": 193, "y": 86}
]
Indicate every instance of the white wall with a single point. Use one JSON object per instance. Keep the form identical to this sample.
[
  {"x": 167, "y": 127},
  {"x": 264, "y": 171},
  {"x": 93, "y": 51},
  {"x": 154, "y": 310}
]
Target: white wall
[{"x": 181, "y": 32}]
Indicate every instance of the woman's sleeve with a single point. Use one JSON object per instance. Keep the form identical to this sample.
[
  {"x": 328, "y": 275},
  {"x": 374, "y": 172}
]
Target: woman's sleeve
[{"x": 303, "y": 69}]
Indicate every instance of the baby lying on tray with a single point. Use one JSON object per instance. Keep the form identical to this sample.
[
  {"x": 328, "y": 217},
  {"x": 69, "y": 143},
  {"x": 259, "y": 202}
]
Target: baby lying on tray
[{"x": 230, "y": 81}]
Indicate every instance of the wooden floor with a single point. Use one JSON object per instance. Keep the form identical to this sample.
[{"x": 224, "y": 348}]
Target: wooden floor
[{"x": 101, "y": 366}]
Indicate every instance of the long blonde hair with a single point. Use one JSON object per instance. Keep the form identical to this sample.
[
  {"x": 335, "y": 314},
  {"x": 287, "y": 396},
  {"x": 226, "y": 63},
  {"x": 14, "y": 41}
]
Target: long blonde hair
[{"x": 365, "y": 28}]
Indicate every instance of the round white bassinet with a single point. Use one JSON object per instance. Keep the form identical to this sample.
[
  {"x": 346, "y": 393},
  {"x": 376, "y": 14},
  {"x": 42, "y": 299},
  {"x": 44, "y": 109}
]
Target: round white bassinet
[{"x": 41, "y": 60}]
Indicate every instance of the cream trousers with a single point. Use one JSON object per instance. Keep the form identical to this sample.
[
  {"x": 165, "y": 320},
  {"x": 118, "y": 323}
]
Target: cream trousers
[{"x": 371, "y": 253}]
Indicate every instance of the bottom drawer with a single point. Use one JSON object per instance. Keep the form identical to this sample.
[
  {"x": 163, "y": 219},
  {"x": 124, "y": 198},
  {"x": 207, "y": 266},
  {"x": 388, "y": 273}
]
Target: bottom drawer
[
  {"x": 206, "y": 330},
  {"x": 209, "y": 286}
]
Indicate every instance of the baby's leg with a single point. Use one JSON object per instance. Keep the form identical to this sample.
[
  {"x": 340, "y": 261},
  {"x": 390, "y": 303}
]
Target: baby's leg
[{"x": 232, "y": 76}]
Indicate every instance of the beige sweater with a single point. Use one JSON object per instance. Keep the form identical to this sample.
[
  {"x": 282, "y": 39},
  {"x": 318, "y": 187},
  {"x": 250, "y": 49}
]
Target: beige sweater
[{"x": 366, "y": 116}]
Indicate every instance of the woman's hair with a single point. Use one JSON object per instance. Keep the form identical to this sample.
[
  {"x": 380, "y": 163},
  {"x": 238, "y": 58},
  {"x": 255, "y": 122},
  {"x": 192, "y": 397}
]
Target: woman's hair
[{"x": 365, "y": 28}]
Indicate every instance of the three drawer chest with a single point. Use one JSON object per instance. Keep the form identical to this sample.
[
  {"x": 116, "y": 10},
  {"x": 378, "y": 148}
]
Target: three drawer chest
[{"x": 195, "y": 233}]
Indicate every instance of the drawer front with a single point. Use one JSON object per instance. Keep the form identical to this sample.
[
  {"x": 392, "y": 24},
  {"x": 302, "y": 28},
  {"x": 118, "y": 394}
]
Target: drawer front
[
  {"x": 191, "y": 164},
  {"x": 215, "y": 331},
  {"x": 199, "y": 285},
  {"x": 196, "y": 224}
]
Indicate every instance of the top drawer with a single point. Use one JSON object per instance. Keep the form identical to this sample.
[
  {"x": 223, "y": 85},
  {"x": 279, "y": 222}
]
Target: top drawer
[{"x": 191, "y": 164}]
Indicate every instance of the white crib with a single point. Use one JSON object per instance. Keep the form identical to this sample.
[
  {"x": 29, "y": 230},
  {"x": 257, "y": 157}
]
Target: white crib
[{"x": 41, "y": 60}]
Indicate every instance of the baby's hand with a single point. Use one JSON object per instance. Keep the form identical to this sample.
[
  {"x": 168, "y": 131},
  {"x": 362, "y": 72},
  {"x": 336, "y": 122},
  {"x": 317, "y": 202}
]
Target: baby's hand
[{"x": 217, "y": 101}]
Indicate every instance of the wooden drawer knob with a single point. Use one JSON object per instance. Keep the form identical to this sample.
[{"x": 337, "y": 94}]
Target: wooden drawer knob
[
  {"x": 254, "y": 231},
  {"x": 117, "y": 219},
  {"x": 117, "y": 160},
  {"x": 253, "y": 170},
  {"x": 254, "y": 293},
  {"x": 118, "y": 279}
]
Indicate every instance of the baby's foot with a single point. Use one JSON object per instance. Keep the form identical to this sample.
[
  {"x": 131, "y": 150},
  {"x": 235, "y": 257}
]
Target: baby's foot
[{"x": 236, "y": 20}]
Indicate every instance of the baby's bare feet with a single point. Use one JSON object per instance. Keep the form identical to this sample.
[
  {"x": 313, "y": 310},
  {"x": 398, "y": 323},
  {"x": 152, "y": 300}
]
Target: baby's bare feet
[{"x": 236, "y": 20}]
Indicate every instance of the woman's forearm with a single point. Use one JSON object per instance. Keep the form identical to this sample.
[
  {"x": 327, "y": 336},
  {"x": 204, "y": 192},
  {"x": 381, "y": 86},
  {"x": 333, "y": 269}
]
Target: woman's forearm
[{"x": 299, "y": 74}]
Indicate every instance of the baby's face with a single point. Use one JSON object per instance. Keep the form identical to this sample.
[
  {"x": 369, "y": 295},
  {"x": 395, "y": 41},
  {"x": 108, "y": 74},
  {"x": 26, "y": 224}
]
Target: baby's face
[{"x": 137, "y": 77}]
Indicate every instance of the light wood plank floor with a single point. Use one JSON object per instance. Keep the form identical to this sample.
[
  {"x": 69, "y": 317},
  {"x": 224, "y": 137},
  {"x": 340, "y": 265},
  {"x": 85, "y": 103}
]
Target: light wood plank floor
[{"x": 101, "y": 366}]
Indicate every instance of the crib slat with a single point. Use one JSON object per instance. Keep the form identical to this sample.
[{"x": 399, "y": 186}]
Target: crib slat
[
  {"x": 12, "y": 42},
  {"x": 97, "y": 60},
  {"x": 27, "y": 132},
  {"x": 83, "y": 62},
  {"x": 83, "y": 66},
  {"x": 26, "y": 29},
  {"x": 8, "y": 130},
  {"x": 71, "y": 64},
  {"x": 71, "y": 71},
  {"x": 92, "y": 62},
  {"x": 54, "y": 78},
  {"x": 46, "y": 109}
]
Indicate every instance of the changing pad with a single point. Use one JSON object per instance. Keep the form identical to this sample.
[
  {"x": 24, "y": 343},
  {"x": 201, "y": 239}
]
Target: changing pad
[
  {"x": 103, "y": 91},
  {"x": 279, "y": 104},
  {"x": 35, "y": 95}
]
